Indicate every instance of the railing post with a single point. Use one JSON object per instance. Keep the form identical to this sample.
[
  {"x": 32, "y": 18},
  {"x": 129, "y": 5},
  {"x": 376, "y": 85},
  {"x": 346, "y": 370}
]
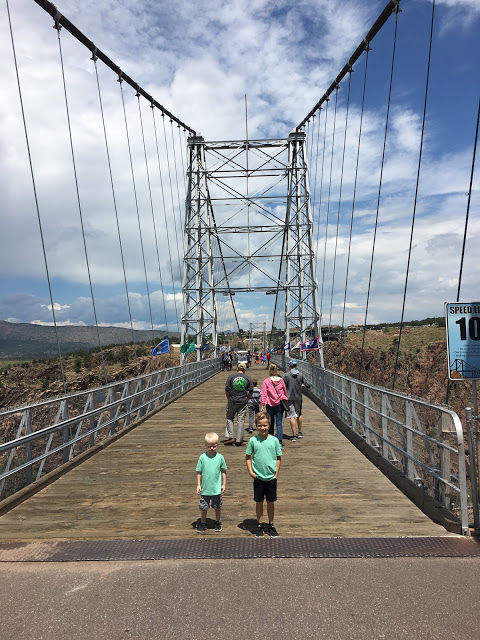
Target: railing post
[
  {"x": 65, "y": 437},
  {"x": 409, "y": 466},
  {"x": 472, "y": 467},
  {"x": 384, "y": 426},
  {"x": 28, "y": 447},
  {"x": 445, "y": 463}
]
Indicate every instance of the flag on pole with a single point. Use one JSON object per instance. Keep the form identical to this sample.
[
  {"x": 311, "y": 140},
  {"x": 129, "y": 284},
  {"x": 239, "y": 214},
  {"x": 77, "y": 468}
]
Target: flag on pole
[
  {"x": 286, "y": 346},
  {"x": 309, "y": 345},
  {"x": 162, "y": 347},
  {"x": 188, "y": 347}
]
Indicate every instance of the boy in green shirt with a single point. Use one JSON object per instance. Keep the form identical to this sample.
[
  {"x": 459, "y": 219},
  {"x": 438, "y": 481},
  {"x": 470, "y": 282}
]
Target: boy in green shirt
[
  {"x": 263, "y": 457},
  {"x": 211, "y": 481}
]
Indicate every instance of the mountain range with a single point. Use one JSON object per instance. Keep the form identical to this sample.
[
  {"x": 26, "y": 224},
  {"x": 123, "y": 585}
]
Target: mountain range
[{"x": 23, "y": 341}]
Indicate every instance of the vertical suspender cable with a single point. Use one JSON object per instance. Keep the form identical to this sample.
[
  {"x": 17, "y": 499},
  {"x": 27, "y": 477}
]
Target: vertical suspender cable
[
  {"x": 472, "y": 171},
  {"x": 173, "y": 204},
  {"x": 153, "y": 214},
  {"x": 340, "y": 196},
  {"x": 184, "y": 177},
  {"x": 136, "y": 202},
  {"x": 379, "y": 194},
  {"x": 416, "y": 197},
  {"x": 329, "y": 192},
  {"x": 321, "y": 178},
  {"x": 180, "y": 217},
  {"x": 367, "y": 49},
  {"x": 35, "y": 195},
  {"x": 114, "y": 198},
  {"x": 165, "y": 217},
  {"x": 77, "y": 191},
  {"x": 314, "y": 204}
]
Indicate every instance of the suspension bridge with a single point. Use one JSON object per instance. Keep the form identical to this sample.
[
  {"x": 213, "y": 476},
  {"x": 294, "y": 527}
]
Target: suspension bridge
[{"x": 193, "y": 233}]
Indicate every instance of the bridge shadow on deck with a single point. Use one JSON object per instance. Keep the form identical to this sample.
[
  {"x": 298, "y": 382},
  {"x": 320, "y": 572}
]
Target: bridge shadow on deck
[{"x": 143, "y": 485}]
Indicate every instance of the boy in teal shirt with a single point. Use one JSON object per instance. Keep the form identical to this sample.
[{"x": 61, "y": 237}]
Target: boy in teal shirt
[
  {"x": 211, "y": 481},
  {"x": 263, "y": 457}
]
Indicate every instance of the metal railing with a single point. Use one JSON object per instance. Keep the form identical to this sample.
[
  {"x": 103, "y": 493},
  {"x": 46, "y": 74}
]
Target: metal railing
[
  {"x": 38, "y": 438},
  {"x": 423, "y": 440}
]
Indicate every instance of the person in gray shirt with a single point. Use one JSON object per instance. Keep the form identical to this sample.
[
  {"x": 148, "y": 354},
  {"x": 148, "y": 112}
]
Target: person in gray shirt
[
  {"x": 294, "y": 383},
  {"x": 238, "y": 389}
]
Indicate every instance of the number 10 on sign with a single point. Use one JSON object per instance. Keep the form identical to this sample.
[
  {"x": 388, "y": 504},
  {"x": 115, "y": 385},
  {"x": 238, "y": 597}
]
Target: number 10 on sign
[{"x": 463, "y": 340}]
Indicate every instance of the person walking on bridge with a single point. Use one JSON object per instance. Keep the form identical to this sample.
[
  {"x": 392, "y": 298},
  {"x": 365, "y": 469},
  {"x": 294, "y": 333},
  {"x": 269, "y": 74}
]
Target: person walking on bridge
[
  {"x": 294, "y": 383},
  {"x": 272, "y": 394},
  {"x": 238, "y": 389}
]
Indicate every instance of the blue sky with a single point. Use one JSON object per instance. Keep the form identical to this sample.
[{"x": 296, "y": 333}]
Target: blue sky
[{"x": 199, "y": 59}]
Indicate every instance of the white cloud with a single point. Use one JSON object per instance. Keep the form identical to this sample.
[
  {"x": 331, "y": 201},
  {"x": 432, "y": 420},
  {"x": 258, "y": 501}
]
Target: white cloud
[{"x": 199, "y": 59}]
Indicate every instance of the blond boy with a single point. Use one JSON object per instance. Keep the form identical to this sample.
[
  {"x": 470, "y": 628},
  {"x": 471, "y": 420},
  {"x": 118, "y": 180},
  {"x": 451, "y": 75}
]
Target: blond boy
[{"x": 211, "y": 482}]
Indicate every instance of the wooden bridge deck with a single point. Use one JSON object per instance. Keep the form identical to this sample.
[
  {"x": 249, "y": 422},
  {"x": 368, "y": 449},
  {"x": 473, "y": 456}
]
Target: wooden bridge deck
[{"x": 143, "y": 485}]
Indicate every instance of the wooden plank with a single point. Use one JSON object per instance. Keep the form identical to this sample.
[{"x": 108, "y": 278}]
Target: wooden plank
[{"x": 143, "y": 485}]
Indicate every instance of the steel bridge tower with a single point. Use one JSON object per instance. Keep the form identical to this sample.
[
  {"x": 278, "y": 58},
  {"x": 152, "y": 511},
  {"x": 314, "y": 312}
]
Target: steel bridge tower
[{"x": 249, "y": 230}]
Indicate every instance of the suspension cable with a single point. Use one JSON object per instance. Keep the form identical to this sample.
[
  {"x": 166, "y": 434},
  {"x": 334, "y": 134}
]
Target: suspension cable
[
  {"x": 180, "y": 217},
  {"x": 136, "y": 202},
  {"x": 173, "y": 204},
  {"x": 35, "y": 195},
  {"x": 153, "y": 214},
  {"x": 340, "y": 196},
  {"x": 472, "y": 171},
  {"x": 367, "y": 49},
  {"x": 468, "y": 204},
  {"x": 114, "y": 198},
  {"x": 314, "y": 204},
  {"x": 379, "y": 192},
  {"x": 416, "y": 196},
  {"x": 329, "y": 192},
  {"x": 77, "y": 191},
  {"x": 183, "y": 170},
  {"x": 322, "y": 174},
  {"x": 165, "y": 218}
]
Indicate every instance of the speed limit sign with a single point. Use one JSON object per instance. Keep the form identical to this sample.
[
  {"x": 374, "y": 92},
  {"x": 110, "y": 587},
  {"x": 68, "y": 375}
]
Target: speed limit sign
[{"x": 463, "y": 340}]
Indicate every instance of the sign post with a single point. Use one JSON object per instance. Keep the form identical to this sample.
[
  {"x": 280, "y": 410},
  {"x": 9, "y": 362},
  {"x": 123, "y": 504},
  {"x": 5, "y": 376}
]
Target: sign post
[{"x": 463, "y": 352}]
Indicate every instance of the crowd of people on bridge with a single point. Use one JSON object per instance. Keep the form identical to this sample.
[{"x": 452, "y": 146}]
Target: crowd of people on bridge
[{"x": 266, "y": 406}]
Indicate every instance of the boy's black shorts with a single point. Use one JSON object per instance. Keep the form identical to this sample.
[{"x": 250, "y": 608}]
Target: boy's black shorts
[{"x": 264, "y": 489}]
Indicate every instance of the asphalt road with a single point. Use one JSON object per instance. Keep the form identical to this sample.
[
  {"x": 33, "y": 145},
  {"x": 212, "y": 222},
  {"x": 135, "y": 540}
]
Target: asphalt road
[{"x": 394, "y": 598}]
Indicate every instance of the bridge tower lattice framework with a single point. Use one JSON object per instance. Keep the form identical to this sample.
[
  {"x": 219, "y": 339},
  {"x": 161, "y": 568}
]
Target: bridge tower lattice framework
[{"x": 286, "y": 239}]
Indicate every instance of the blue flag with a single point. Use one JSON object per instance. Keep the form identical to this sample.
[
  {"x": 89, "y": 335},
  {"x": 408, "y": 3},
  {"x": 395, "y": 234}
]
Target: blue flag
[
  {"x": 206, "y": 347},
  {"x": 309, "y": 345},
  {"x": 162, "y": 347},
  {"x": 286, "y": 346}
]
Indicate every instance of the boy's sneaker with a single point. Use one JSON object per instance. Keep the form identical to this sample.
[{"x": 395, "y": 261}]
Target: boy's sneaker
[
  {"x": 259, "y": 532},
  {"x": 272, "y": 531},
  {"x": 218, "y": 525},
  {"x": 201, "y": 527},
  {"x": 293, "y": 439},
  {"x": 250, "y": 430},
  {"x": 300, "y": 434}
]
